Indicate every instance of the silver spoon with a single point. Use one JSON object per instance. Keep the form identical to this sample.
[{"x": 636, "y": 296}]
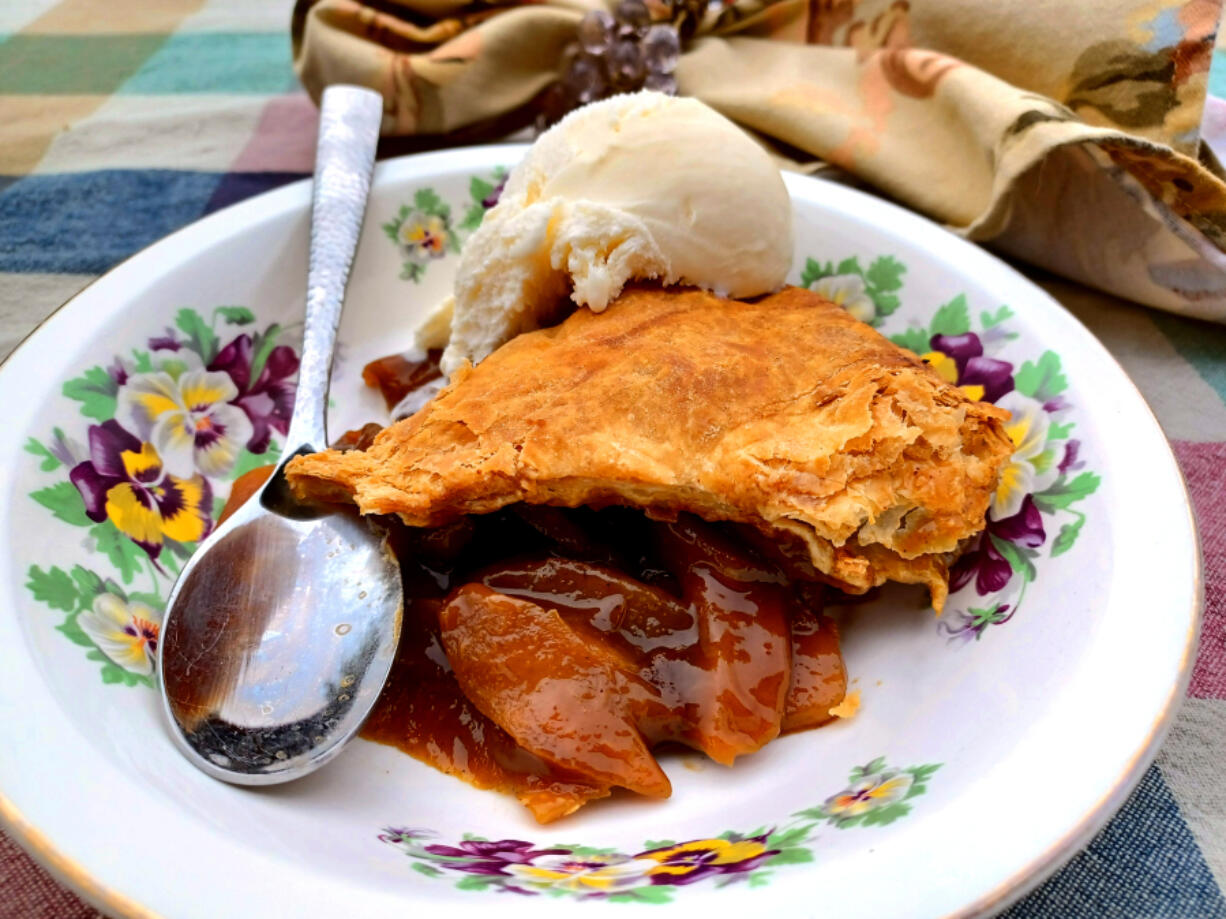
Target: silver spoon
[{"x": 280, "y": 632}]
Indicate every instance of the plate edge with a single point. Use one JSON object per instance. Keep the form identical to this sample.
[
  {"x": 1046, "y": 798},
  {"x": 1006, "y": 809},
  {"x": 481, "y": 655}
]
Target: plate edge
[
  {"x": 108, "y": 899},
  {"x": 1041, "y": 869}
]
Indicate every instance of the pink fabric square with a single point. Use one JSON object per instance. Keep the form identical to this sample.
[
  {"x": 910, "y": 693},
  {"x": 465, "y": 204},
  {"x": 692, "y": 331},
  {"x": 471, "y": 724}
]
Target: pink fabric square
[
  {"x": 1204, "y": 467},
  {"x": 284, "y": 139},
  {"x": 29, "y": 892}
]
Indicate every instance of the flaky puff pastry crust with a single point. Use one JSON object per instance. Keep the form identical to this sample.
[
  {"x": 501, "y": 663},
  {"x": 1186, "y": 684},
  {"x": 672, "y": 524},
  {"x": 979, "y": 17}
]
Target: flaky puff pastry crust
[{"x": 783, "y": 413}]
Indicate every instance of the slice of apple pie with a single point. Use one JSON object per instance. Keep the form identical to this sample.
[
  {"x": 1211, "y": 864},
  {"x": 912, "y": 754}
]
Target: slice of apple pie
[{"x": 848, "y": 453}]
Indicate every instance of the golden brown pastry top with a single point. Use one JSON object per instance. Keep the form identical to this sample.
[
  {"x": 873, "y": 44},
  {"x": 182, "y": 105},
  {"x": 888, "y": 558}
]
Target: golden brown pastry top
[{"x": 784, "y": 413}]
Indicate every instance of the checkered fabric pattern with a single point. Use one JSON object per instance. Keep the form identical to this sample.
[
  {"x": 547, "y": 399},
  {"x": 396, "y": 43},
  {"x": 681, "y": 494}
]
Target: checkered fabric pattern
[{"x": 122, "y": 120}]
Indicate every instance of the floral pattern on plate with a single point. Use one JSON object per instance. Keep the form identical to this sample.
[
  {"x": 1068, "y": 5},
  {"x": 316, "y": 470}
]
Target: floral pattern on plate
[
  {"x": 424, "y": 230},
  {"x": 1046, "y": 478},
  {"x": 870, "y": 294},
  {"x": 876, "y": 795},
  {"x": 167, "y": 427}
]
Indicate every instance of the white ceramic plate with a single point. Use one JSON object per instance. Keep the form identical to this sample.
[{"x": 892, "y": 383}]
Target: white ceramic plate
[{"x": 990, "y": 743}]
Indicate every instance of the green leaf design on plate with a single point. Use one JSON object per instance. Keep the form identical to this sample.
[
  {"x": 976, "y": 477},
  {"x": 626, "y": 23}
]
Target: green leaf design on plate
[
  {"x": 814, "y": 271},
  {"x": 989, "y": 320},
  {"x": 64, "y": 501},
  {"x": 913, "y": 339},
  {"x": 49, "y": 460},
  {"x": 262, "y": 346},
  {"x": 849, "y": 266},
  {"x": 922, "y": 773},
  {"x": 475, "y": 882},
  {"x": 1043, "y": 380},
  {"x": 112, "y": 673},
  {"x": 142, "y": 361},
  {"x": 53, "y": 587},
  {"x": 247, "y": 460},
  {"x": 427, "y": 201},
  {"x": 791, "y": 856},
  {"x": 89, "y": 585},
  {"x": 200, "y": 336},
  {"x": 478, "y": 190},
  {"x": 1057, "y": 431},
  {"x": 95, "y": 389},
  {"x": 884, "y": 816},
  {"x": 1015, "y": 556},
  {"x": 648, "y": 894},
  {"x": 783, "y": 839},
  {"x": 1067, "y": 536},
  {"x": 885, "y": 273},
  {"x": 1065, "y": 493},
  {"x": 74, "y": 632},
  {"x": 953, "y": 318},
  {"x": 872, "y": 767},
  {"x": 236, "y": 315},
  {"x": 124, "y": 554}
]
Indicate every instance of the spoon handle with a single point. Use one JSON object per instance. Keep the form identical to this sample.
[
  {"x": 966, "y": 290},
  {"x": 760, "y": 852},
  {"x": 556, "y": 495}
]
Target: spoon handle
[{"x": 348, "y": 132}]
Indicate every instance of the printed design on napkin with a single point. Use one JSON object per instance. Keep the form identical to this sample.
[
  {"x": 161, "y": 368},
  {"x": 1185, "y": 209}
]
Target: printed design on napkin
[
  {"x": 876, "y": 794},
  {"x": 424, "y": 231},
  {"x": 1154, "y": 86},
  {"x": 1144, "y": 71},
  {"x": 1046, "y": 481},
  {"x": 168, "y": 426}
]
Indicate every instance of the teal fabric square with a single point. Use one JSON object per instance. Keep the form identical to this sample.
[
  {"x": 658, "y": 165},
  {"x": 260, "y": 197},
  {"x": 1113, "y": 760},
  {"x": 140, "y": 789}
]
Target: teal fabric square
[
  {"x": 217, "y": 62},
  {"x": 1217, "y": 74}
]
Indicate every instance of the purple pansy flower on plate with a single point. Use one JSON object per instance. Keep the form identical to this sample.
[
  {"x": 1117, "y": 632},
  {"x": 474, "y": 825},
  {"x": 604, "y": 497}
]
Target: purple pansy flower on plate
[
  {"x": 699, "y": 859},
  {"x": 985, "y": 563},
  {"x": 480, "y": 856},
  {"x": 969, "y": 625},
  {"x": 124, "y": 481},
  {"x": 268, "y": 400},
  {"x": 959, "y": 359}
]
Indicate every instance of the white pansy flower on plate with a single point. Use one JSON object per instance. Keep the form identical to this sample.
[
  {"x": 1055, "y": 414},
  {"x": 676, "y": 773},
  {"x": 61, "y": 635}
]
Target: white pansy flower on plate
[
  {"x": 1034, "y": 467},
  {"x": 189, "y": 419},
  {"x": 847, "y": 291},
  {"x": 587, "y": 873},
  {"x": 125, "y": 631}
]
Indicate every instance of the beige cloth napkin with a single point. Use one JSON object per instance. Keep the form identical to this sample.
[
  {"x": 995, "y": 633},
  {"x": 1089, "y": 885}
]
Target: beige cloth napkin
[{"x": 1062, "y": 132}]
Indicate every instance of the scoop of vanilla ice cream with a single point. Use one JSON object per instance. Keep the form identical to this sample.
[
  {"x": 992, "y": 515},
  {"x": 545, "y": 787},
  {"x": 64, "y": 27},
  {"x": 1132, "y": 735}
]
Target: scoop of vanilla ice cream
[{"x": 642, "y": 186}]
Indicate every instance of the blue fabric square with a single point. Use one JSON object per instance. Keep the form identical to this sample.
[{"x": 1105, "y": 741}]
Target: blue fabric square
[
  {"x": 1145, "y": 863},
  {"x": 85, "y": 222},
  {"x": 236, "y": 186}
]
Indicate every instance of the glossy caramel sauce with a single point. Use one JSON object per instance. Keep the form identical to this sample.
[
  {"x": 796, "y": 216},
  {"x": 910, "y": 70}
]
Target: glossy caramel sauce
[
  {"x": 605, "y": 635},
  {"x": 545, "y": 652},
  {"x": 423, "y": 712},
  {"x": 395, "y": 376},
  {"x": 243, "y": 488}
]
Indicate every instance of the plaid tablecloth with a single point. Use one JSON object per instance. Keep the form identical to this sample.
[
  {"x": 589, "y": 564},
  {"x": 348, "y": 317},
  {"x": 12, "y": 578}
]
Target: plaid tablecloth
[{"x": 122, "y": 120}]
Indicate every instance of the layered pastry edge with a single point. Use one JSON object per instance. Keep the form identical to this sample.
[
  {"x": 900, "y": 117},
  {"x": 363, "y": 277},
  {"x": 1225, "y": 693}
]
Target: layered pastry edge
[{"x": 783, "y": 413}]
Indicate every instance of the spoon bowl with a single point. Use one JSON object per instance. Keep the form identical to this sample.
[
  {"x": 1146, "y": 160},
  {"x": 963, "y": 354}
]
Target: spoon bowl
[{"x": 282, "y": 637}]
